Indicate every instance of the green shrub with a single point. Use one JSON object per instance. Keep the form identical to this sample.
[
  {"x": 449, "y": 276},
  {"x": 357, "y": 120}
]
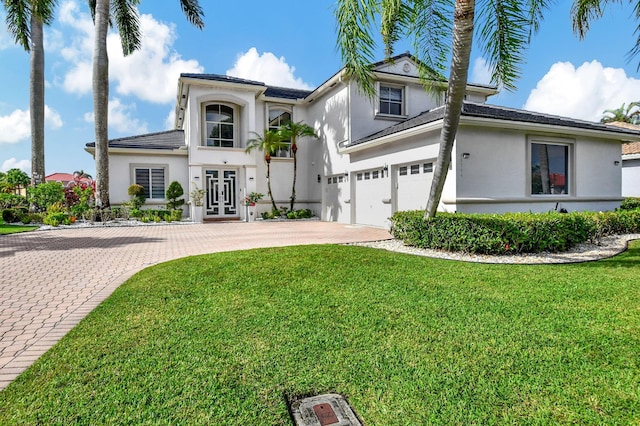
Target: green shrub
[
  {"x": 44, "y": 195},
  {"x": 630, "y": 203},
  {"x": 176, "y": 215},
  {"x": 173, "y": 194},
  {"x": 138, "y": 195},
  {"x": 13, "y": 215},
  {"x": 28, "y": 218},
  {"x": 300, "y": 214},
  {"x": 56, "y": 218},
  {"x": 10, "y": 201},
  {"x": 511, "y": 232}
]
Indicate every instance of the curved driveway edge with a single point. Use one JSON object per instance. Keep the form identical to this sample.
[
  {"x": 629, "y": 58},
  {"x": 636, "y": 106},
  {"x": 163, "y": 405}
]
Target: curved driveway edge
[{"x": 50, "y": 280}]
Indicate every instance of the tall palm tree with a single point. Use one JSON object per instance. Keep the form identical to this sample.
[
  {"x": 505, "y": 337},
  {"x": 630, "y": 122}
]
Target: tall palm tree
[
  {"x": 292, "y": 131},
  {"x": 25, "y": 20},
  {"x": 505, "y": 29},
  {"x": 125, "y": 15},
  {"x": 270, "y": 143},
  {"x": 624, "y": 114}
]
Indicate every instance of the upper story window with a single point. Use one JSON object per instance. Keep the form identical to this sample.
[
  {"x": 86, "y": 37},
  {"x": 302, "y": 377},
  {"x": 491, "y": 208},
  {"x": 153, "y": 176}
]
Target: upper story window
[
  {"x": 549, "y": 168},
  {"x": 279, "y": 116},
  {"x": 220, "y": 123},
  {"x": 391, "y": 100}
]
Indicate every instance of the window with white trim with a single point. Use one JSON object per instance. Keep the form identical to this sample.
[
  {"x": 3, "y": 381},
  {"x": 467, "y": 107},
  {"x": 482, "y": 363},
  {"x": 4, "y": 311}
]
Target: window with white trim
[
  {"x": 220, "y": 126},
  {"x": 391, "y": 100},
  {"x": 279, "y": 116},
  {"x": 152, "y": 179},
  {"x": 550, "y": 168}
]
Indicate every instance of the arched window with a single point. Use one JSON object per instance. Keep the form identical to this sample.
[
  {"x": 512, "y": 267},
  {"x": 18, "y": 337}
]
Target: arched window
[
  {"x": 279, "y": 116},
  {"x": 219, "y": 126}
]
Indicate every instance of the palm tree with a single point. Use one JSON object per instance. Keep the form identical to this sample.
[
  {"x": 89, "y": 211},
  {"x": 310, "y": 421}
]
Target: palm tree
[
  {"x": 125, "y": 15},
  {"x": 25, "y": 19},
  {"x": 292, "y": 131},
  {"x": 622, "y": 114},
  {"x": 270, "y": 143},
  {"x": 505, "y": 31}
]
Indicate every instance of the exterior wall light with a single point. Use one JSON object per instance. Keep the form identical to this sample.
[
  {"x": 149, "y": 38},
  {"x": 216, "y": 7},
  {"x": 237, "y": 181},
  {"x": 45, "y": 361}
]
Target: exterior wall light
[
  {"x": 616, "y": 163},
  {"x": 466, "y": 155}
]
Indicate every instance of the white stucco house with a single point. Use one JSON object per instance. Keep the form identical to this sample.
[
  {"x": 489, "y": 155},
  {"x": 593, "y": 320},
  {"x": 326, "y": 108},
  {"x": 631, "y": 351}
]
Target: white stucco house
[
  {"x": 631, "y": 169},
  {"x": 373, "y": 157}
]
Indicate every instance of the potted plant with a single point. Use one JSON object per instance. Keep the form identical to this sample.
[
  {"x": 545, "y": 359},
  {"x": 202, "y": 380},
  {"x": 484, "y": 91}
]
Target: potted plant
[{"x": 252, "y": 198}]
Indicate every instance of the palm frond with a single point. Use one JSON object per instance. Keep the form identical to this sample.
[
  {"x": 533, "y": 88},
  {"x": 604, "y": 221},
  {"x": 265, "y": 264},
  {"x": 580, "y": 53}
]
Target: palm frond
[
  {"x": 193, "y": 11},
  {"x": 125, "y": 13},
  {"x": 430, "y": 23},
  {"x": 355, "y": 19},
  {"x": 18, "y": 21},
  {"x": 92, "y": 9},
  {"x": 506, "y": 27},
  {"x": 44, "y": 9},
  {"x": 395, "y": 15},
  {"x": 583, "y": 12}
]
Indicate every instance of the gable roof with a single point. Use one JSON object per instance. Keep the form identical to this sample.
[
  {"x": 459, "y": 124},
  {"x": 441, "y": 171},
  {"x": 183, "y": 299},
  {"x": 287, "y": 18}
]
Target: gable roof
[
  {"x": 269, "y": 91},
  {"x": 472, "y": 109},
  {"x": 169, "y": 140}
]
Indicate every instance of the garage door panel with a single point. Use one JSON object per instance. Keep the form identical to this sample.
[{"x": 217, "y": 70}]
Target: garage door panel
[
  {"x": 414, "y": 183},
  {"x": 372, "y": 198}
]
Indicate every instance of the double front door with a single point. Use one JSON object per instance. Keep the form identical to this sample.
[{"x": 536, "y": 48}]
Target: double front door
[{"x": 222, "y": 193}]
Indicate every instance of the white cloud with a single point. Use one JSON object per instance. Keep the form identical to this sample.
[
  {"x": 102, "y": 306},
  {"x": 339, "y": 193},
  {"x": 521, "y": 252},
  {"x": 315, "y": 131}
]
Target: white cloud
[
  {"x": 266, "y": 68},
  {"x": 121, "y": 118},
  {"x": 16, "y": 126},
  {"x": 583, "y": 92},
  {"x": 13, "y": 163},
  {"x": 170, "y": 120},
  {"x": 150, "y": 73},
  {"x": 481, "y": 73}
]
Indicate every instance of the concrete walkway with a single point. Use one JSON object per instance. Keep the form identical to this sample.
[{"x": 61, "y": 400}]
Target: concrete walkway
[{"x": 50, "y": 280}]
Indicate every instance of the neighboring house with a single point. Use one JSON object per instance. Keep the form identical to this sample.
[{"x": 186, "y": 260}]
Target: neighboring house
[
  {"x": 67, "y": 178},
  {"x": 373, "y": 157},
  {"x": 631, "y": 169}
]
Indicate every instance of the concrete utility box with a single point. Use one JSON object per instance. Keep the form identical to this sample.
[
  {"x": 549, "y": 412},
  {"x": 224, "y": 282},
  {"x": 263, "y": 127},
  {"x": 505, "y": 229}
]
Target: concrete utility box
[{"x": 324, "y": 410}]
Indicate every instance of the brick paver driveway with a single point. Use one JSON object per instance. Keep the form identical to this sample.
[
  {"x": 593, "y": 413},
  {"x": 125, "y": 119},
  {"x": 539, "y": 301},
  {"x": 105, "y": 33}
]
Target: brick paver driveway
[{"x": 50, "y": 280}]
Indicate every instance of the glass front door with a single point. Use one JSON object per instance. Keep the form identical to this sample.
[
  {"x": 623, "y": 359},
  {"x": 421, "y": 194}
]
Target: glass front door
[{"x": 221, "y": 200}]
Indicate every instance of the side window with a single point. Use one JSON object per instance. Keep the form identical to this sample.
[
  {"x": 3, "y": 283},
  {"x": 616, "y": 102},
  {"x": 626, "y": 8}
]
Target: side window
[
  {"x": 279, "y": 116},
  {"x": 152, "y": 180},
  {"x": 219, "y": 126},
  {"x": 549, "y": 169},
  {"x": 391, "y": 100}
]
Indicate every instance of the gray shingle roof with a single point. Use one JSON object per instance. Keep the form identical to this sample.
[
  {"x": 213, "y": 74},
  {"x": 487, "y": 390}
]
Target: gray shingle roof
[
  {"x": 471, "y": 109},
  {"x": 271, "y": 91},
  {"x": 169, "y": 140}
]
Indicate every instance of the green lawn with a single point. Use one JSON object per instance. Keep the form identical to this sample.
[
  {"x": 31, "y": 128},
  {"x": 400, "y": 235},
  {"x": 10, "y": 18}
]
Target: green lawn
[
  {"x": 227, "y": 338},
  {"x": 12, "y": 229}
]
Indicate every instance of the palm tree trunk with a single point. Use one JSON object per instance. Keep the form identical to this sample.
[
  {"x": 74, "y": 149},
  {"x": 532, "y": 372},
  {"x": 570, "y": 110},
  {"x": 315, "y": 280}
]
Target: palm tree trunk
[
  {"x": 36, "y": 101},
  {"x": 543, "y": 154},
  {"x": 295, "y": 172},
  {"x": 101, "y": 102},
  {"x": 273, "y": 203},
  {"x": 462, "y": 40}
]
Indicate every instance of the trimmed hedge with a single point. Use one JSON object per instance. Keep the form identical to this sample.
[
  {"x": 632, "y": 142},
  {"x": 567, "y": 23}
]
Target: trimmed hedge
[{"x": 511, "y": 232}]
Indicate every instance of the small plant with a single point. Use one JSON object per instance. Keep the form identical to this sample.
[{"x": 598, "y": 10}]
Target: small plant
[
  {"x": 173, "y": 194},
  {"x": 197, "y": 195},
  {"x": 56, "y": 218},
  {"x": 252, "y": 198},
  {"x": 176, "y": 215},
  {"x": 137, "y": 194}
]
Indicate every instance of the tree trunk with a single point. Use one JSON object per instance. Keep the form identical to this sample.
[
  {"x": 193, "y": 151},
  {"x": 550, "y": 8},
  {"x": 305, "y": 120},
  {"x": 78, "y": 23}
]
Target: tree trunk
[
  {"x": 462, "y": 40},
  {"x": 36, "y": 101},
  {"x": 273, "y": 203},
  {"x": 101, "y": 103},
  {"x": 294, "y": 149},
  {"x": 543, "y": 155}
]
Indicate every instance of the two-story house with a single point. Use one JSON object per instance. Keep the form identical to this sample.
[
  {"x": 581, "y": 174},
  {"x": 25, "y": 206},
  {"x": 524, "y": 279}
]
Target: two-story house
[{"x": 373, "y": 156}]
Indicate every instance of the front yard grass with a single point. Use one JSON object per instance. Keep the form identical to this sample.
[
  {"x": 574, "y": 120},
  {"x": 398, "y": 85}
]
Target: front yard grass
[
  {"x": 12, "y": 229},
  {"x": 228, "y": 338}
]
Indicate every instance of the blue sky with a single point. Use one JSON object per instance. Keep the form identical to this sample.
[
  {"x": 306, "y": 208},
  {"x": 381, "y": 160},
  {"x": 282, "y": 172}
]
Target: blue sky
[{"x": 292, "y": 44}]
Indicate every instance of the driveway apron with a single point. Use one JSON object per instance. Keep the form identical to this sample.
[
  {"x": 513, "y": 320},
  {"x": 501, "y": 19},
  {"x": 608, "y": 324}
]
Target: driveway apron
[{"x": 50, "y": 280}]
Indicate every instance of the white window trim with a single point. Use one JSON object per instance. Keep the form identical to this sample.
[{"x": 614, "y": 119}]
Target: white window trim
[
  {"x": 165, "y": 167},
  {"x": 287, "y": 108},
  {"x": 570, "y": 143},
  {"x": 403, "y": 88},
  {"x": 236, "y": 124}
]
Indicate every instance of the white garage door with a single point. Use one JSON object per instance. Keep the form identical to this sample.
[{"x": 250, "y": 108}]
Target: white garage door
[
  {"x": 373, "y": 198},
  {"x": 336, "y": 194},
  {"x": 414, "y": 184}
]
